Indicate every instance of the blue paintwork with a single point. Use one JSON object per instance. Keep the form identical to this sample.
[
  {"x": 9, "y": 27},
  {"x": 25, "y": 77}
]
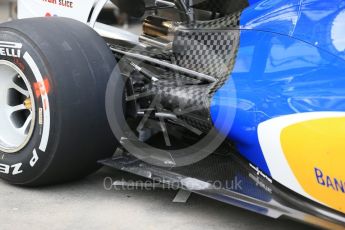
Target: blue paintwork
[
  {"x": 252, "y": 2},
  {"x": 289, "y": 61},
  {"x": 311, "y": 21}
]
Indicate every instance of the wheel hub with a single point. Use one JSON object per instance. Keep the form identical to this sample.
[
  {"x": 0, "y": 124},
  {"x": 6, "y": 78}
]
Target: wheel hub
[{"x": 17, "y": 109}]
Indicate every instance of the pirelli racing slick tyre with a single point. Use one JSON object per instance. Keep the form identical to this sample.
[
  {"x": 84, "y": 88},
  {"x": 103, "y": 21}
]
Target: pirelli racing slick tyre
[{"x": 53, "y": 125}]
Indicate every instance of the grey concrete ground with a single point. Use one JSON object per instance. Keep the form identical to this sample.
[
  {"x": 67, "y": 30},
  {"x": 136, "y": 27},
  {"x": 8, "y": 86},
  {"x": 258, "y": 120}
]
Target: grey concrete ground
[{"x": 87, "y": 205}]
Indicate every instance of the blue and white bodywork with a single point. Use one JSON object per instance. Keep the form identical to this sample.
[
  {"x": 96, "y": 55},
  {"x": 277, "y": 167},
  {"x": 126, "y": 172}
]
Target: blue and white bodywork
[{"x": 290, "y": 69}]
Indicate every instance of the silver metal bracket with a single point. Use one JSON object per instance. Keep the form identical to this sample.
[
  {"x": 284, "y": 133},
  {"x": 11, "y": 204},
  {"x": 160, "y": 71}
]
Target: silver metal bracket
[{"x": 182, "y": 196}]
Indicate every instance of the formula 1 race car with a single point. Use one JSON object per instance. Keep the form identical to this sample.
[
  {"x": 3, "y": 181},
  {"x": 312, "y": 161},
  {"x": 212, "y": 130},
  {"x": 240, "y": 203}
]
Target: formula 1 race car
[{"x": 210, "y": 92}]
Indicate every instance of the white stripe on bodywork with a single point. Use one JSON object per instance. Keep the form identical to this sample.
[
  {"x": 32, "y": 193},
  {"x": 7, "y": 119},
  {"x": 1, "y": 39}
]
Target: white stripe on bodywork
[{"x": 46, "y": 113}]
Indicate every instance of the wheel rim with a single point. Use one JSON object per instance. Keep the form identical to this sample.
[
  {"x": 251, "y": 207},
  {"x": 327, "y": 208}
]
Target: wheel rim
[{"x": 17, "y": 108}]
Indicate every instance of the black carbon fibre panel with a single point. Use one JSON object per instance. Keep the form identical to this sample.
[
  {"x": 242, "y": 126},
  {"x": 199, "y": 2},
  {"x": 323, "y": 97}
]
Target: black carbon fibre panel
[
  {"x": 153, "y": 52},
  {"x": 210, "y": 48},
  {"x": 182, "y": 96},
  {"x": 207, "y": 51},
  {"x": 230, "y": 21},
  {"x": 188, "y": 102},
  {"x": 177, "y": 79},
  {"x": 224, "y": 7}
]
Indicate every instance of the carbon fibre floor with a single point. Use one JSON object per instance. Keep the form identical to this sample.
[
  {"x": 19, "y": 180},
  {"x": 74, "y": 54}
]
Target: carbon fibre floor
[{"x": 228, "y": 178}]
